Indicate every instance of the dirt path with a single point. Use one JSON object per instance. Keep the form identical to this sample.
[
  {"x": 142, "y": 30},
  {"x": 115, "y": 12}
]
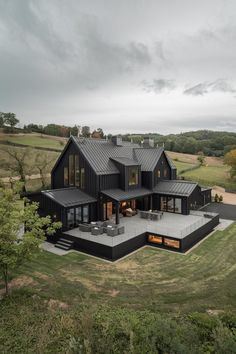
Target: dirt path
[{"x": 228, "y": 198}]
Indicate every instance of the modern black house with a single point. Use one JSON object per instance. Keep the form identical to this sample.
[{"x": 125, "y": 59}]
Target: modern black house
[{"x": 97, "y": 180}]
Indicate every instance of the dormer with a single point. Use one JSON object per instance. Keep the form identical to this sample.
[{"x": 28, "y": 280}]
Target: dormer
[{"x": 130, "y": 172}]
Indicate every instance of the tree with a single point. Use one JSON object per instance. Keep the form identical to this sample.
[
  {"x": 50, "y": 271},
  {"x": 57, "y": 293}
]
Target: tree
[
  {"x": 2, "y": 119},
  {"x": 17, "y": 164},
  {"x": 42, "y": 161},
  {"x": 11, "y": 120},
  {"x": 86, "y": 131},
  {"x": 230, "y": 160},
  {"x": 15, "y": 248},
  {"x": 74, "y": 131},
  {"x": 201, "y": 159}
]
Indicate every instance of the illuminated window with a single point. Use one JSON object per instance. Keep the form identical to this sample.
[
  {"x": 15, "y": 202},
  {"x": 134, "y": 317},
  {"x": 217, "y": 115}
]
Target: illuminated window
[
  {"x": 77, "y": 174},
  {"x": 133, "y": 176},
  {"x": 158, "y": 173},
  {"x": 155, "y": 239},
  {"x": 71, "y": 170},
  {"x": 171, "y": 243},
  {"x": 165, "y": 172},
  {"x": 66, "y": 177}
]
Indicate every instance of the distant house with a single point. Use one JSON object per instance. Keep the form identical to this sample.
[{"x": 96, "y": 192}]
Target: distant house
[{"x": 98, "y": 180}]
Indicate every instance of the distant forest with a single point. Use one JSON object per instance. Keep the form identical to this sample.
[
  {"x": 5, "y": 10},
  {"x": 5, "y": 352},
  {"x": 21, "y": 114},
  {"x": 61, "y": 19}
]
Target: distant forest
[{"x": 210, "y": 143}]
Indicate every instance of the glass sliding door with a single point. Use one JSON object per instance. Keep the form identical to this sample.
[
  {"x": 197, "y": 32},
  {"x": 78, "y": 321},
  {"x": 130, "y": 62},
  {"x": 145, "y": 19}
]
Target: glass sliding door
[
  {"x": 170, "y": 204},
  {"x": 70, "y": 218},
  {"x": 163, "y": 204},
  {"x": 78, "y": 215},
  {"x": 178, "y": 205},
  {"x": 86, "y": 214}
]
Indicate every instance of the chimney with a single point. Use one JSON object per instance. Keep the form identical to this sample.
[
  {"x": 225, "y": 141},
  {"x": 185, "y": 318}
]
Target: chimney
[
  {"x": 148, "y": 143},
  {"x": 117, "y": 140}
]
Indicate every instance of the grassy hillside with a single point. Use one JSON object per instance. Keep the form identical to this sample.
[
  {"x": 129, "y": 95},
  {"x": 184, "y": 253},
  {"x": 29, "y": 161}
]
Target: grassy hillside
[
  {"x": 35, "y": 140},
  {"x": 56, "y": 287}
]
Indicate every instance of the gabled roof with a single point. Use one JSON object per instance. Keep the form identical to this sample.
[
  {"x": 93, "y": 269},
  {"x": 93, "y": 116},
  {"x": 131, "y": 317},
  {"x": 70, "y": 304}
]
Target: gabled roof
[
  {"x": 121, "y": 195},
  {"x": 148, "y": 157},
  {"x": 99, "y": 154},
  {"x": 175, "y": 187},
  {"x": 125, "y": 161},
  {"x": 69, "y": 197}
]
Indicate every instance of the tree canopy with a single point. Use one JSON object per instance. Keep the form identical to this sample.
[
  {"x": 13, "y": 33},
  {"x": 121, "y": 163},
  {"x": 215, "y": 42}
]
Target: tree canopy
[{"x": 21, "y": 231}]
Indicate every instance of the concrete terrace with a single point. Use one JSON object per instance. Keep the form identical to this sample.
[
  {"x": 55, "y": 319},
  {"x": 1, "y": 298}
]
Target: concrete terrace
[{"x": 173, "y": 225}]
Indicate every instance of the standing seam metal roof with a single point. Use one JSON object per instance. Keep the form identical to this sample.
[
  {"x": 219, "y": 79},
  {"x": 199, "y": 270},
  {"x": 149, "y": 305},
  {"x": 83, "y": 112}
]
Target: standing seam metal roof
[
  {"x": 100, "y": 153},
  {"x": 69, "y": 196},
  {"x": 175, "y": 187}
]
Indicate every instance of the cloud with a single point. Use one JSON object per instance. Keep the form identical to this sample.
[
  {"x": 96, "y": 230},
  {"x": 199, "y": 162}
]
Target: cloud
[
  {"x": 158, "y": 85},
  {"x": 220, "y": 85}
]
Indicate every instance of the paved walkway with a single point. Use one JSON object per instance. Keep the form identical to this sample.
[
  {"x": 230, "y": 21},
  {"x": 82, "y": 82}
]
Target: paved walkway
[
  {"x": 226, "y": 211},
  {"x": 50, "y": 247}
]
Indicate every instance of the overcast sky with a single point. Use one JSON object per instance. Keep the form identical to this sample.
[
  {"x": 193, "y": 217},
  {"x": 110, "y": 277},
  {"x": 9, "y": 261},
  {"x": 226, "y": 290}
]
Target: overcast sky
[{"x": 161, "y": 66}]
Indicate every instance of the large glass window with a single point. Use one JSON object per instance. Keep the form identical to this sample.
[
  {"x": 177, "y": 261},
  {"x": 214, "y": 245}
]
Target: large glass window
[
  {"x": 170, "y": 204},
  {"x": 78, "y": 215},
  {"x": 163, "y": 203},
  {"x": 155, "y": 239},
  {"x": 66, "y": 176},
  {"x": 165, "y": 172},
  {"x": 85, "y": 213},
  {"x": 171, "y": 243},
  {"x": 70, "y": 217},
  {"x": 178, "y": 205},
  {"x": 158, "y": 173},
  {"x": 71, "y": 170},
  {"x": 77, "y": 174},
  {"x": 82, "y": 178},
  {"x": 133, "y": 176}
]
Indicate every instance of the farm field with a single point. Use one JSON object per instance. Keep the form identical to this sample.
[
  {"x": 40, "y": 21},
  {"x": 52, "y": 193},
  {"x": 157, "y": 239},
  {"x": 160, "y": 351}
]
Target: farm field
[
  {"x": 35, "y": 140},
  {"x": 57, "y": 287}
]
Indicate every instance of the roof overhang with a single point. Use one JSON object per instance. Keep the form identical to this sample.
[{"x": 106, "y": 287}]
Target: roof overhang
[
  {"x": 69, "y": 197},
  {"x": 119, "y": 195}
]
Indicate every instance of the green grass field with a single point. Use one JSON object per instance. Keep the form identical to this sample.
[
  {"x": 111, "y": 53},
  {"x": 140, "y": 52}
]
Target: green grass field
[
  {"x": 211, "y": 175},
  {"x": 181, "y": 166},
  {"x": 49, "y": 291},
  {"x": 35, "y": 140},
  {"x": 150, "y": 278}
]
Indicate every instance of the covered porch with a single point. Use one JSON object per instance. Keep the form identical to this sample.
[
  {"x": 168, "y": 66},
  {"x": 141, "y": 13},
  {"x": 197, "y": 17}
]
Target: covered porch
[{"x": 117, "y": 202}]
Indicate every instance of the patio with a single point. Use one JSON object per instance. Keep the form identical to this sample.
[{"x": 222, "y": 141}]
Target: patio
[{"x": 173, "y": 225}]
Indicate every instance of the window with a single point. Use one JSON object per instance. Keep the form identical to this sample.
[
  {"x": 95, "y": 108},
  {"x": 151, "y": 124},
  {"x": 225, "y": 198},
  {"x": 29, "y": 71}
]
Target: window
[
  {"x": 155, "y": 239},
  {"x": 171, "y": 243},
  {"x": 78, "y": 215},
  {"x": 71, "y": 170},
  {"x": 82, "y": 178},
  {"x": 70, "y": 217},
  {"x": 165, "y": 172},
  {"x": 133, "y": 176},
  {"x": 66, "y": 177},
  {"x": 158, "y": 173},
  {"x": 77, "y": 174},
  {"x": 170, "y": 204},
  {"x": 178, "y": 208},
  {"x": 85, "y": 213}
]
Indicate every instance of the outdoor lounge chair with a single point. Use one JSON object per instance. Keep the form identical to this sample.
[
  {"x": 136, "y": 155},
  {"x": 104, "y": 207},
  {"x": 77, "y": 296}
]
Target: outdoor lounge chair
[
  {"x": 113, "y": 231},
  {"x": 121, "y": 230},
  {"x": 97, "y": 231},
  {"x": 85, "y": 227}
]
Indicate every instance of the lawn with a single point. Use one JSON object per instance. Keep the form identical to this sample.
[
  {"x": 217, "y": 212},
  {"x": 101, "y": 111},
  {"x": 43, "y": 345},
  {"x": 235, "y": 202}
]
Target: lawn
[
  {"x": 181, "y": 166},
  {"x": 35, "y": 140},
  {"x": 149, "y": 278},
  {"x": 211, "y": 176},
  {"x": 49, "y": 293}
]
